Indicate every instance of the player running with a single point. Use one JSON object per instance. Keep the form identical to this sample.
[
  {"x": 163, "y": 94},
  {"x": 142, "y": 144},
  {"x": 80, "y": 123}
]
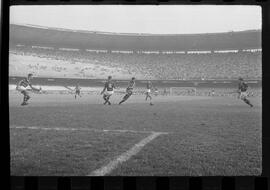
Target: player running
[
  {"x": 77, "y": 91},
  {"x": 108, "y": 90},
  {"x": 242, "y": 90},
  {"x": 149, "y": 87},
  {"x": 129, "y": 90},
  {"x": 22, "y": 88}
]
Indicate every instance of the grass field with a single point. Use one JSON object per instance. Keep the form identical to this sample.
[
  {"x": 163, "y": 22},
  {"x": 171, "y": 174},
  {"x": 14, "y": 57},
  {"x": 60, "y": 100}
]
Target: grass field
[{"x": 58, "y": 135}]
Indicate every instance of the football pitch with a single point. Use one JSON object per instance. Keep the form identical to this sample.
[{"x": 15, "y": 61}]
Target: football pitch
[{"x": 179, "y": 135}]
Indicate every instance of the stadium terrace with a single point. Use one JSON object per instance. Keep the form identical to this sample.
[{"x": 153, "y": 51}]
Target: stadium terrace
[{"x": 140, "y": 43}]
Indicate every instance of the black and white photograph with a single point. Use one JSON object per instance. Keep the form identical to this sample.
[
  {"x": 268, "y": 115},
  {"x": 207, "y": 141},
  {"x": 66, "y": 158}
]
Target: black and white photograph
[{"x": 135, "y": 90}]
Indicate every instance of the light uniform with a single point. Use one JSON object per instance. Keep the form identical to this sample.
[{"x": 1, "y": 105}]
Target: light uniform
[
  {"x": 108, "y": 93},
  {"x": 243, "y": 95}
]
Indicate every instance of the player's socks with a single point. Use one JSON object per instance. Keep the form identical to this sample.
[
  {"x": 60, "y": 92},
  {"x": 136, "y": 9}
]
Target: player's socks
[
  {"x": 248, "y": 102},
  {"x": 124, "y": 98},
  {"x": 107, "y": 101},
  {"x": 24, "y": 103},
  {"x": 26, "y": 98}
]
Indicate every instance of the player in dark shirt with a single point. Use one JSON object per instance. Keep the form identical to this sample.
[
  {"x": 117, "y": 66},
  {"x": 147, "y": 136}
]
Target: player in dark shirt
[
  {"x": 77, "y": 91},
  {"x": 107, "y": 91},
  {"x": 242, "y": 91},
  {"x": 129, "y": 90},
  {"x": 22, "y": 88}
]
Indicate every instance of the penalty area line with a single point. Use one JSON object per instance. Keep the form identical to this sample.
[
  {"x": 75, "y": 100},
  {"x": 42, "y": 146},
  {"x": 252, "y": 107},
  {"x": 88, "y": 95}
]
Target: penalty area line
[
  {"x": 125, "y": 156},
  {"x": 114, "y": 163},
  {"x": 82, "y": 129}
]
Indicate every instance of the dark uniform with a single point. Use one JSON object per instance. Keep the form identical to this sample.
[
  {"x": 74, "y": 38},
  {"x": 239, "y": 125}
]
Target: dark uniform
[
  {"x": 242, "y": 86},
  {"x": 24, "y": 82},
  {"x": 108, "y": 91},
  {"x": 22, "y": 88},
  {"x": 77, "y": 91},
  {"x": 129, "y": 91},
  {"x": 130, "y": 87},
  {"x": 242, "y": 90},
  {"x": 109, "y": 86}
]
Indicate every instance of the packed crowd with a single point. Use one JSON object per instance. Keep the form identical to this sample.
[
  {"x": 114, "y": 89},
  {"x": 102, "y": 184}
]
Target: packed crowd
[{"x": 162, "y": 66}]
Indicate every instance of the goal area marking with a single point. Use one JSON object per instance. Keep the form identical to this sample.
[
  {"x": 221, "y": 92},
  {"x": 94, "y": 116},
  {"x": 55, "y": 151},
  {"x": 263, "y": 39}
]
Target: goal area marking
[{"x": 108, "y": 168}]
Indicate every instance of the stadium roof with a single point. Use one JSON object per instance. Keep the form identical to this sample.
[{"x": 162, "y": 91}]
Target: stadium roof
[{"x": 64, "y": 38}]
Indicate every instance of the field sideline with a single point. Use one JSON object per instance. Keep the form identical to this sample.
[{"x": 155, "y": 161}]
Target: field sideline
[{"x": 179, "y": 135}]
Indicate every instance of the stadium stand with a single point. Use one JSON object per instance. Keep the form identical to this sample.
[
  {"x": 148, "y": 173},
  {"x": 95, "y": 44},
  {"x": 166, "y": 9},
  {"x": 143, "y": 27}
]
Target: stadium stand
[
  {"x": 53, "y": 52},
  {"x": 144, "y": 66}
]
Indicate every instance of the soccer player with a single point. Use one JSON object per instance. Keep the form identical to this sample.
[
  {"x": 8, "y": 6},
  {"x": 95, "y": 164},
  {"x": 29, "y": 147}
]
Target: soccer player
[
  {"x": 129, "y": 90},
  {"x": 213, "y": 92},
  {"x": 242, "y": 90},
  {"x": 22, "y": 88},
  {"x": 77, "y": 91},
  {"x": 149, "y": 87},
  {"x": 107, "y": 91}
]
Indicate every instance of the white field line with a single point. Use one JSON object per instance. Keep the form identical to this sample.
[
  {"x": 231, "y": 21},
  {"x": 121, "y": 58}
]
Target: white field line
[
  {"x": 125, "y": 156},
  {"x": 120, "y": 159},
  {"x": 81, "y": 129}
]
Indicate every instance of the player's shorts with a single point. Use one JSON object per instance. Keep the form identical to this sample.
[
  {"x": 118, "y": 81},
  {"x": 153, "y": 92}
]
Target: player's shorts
[
  {"x": 21, "y": 88},
  {"x": 108, "y": 93},
  {"x": 243, "y": 95},
  {"x": 77, "y": 91},
  {"x": 148, "y": 90},
  {"x": 129, "y": 91}
]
